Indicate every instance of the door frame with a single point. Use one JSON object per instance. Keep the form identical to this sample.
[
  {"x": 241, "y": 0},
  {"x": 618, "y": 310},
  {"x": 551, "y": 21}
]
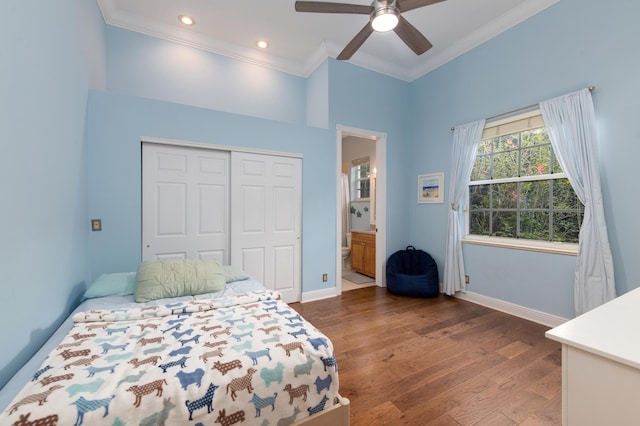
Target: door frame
[
  {"x": 215, "y": 147},
  {"x": 380, "y": 139}
]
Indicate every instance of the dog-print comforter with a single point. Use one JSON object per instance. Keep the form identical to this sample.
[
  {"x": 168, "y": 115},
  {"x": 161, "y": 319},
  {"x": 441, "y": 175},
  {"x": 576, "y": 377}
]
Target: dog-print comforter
[{"x": 247, "y": 359}]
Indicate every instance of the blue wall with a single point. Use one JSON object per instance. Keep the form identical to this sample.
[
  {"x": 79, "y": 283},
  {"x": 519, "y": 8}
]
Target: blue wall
[
  {"x": 318, "y": 96},
  {"x": 366, "y": 100},
  {"x": 116, "y": 125},
  {"x": 569, "y": 46},
  {"x": 51, "y": 57},
  {"x": 148, "y": 67}
]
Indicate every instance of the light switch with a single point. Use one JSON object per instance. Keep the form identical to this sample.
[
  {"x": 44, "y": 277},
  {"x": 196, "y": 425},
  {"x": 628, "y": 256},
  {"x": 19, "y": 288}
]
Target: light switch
[{"x": 96, "y": 224}]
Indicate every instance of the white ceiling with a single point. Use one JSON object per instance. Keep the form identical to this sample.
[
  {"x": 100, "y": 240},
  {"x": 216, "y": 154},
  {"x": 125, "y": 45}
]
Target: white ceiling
[{"x": 299, "y": 42}]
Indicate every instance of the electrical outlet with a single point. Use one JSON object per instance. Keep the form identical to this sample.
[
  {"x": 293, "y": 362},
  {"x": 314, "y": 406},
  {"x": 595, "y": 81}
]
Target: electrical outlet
[
  {"x": 466, "y": 279},
  {"x": 96, "y": 224},
  {"x": 324, "y": 278}
]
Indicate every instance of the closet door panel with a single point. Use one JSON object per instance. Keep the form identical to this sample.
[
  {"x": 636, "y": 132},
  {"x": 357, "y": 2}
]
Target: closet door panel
[
  {"x": 252, "y": 262},
  {"x": 212, "y": 215},
  {"x": 185, "y": 207},
  {"x": 266, "y": 194},
  {"x": 284, "y": 259},
  {"x": 250, "y": 210},
  {"x": 171, "y": 210},
  {"x": 238, "y": 208}
]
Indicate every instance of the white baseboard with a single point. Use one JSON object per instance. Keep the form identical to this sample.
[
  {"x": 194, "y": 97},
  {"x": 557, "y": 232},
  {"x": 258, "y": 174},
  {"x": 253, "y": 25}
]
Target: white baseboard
[
  {"x": 499, "y": 305},
  {"x": 512, "y": 309},
  {"x": 311, "y": 296}
]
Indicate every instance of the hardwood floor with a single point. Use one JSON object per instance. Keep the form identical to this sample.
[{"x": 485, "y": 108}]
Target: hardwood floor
[{"x": 439, "y": 361}]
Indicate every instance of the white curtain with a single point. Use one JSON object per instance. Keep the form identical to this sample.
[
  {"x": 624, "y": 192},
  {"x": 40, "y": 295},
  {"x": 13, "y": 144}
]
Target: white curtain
[
  {"x": 570, "y": 121},
  {"x": 346, "y": 208},
  {"x": 465, "y": 146}
]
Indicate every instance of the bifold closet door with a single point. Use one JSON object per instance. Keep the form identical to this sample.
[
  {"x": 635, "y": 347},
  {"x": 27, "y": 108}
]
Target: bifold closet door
[
  {"x": 266, "y": 208},
  {"x": 185, "y": 203}
]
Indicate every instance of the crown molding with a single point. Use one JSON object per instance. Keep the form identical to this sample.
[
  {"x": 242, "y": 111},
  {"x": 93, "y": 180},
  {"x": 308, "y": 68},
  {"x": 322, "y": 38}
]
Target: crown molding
[
  {"x": 187, "y": 38},
  {"x": 327, "y": 49}
]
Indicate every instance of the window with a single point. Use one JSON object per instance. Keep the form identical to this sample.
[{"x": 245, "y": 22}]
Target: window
[
  {"x": 361, "y": 177},
  {"x": 518, "y": 189}
]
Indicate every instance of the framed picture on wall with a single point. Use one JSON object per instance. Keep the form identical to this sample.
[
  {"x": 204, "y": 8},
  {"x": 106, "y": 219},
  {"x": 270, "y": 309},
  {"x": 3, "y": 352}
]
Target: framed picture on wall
[{"x": 431, "y": 188}]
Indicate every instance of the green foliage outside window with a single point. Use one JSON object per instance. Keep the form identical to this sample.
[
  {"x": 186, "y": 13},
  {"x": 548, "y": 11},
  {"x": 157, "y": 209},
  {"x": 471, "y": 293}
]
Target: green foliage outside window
[{"x": 518, "y": 190}]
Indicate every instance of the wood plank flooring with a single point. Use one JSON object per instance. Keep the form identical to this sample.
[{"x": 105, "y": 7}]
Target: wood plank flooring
[{"x": 439, "y": 361}]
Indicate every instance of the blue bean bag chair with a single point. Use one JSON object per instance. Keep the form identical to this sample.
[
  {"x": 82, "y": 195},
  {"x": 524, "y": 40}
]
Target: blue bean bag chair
[{"x": 413, "y": 273}]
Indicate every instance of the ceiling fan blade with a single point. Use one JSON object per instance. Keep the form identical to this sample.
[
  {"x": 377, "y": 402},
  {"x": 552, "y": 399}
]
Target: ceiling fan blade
[
  {"x": 355, "y": 43},
  {"x": 412, "y": 37},
  {"x": 324, "y": 7},
  {"x": 407, "y": 5}
]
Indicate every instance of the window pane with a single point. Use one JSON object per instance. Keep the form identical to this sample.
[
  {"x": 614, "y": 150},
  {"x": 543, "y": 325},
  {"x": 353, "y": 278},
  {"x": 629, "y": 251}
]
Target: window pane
[
  {"x": 505, "y": 164},
  {"x": 506, "y": 143},
  {"x": 534, "y": 225},
  {"x": 535, "y": 137},
  {"x": 481, "y": 168},
  {"x": 566, "y": 227},
  {"x": 485, "y": 147},
  {"x": 479, "y": 197},
  {"x": 505, "y": 195},
  {"x": 361, "y": 174},
  {"x": 504, "y": 224},
  {"x": 479, "y": 223},
  {"x": 364, "y": 189},
  {"x": 556, "y": 165},
  {"x": 536, "y": 161},
  {"x": 363, "y": 171},
  {"x": 534, "y": 194},
  {"x": 563, "y": 195}
]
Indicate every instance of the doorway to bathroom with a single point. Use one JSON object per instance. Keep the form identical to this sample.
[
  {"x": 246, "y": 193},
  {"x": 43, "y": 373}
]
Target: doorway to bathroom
[{"x": 361, "y": 212}]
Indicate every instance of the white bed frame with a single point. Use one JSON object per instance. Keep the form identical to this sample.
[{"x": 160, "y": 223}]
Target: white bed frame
[{"x": 337, "y": 414}]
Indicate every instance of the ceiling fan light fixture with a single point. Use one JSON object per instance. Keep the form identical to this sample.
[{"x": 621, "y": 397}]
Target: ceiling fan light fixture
[
  {"x": 384, "y": 19},
  {"x": 384, "y": 15}
]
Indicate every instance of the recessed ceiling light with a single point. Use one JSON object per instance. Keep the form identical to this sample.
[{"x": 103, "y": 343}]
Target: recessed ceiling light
[
  {"x": 187, "y": 20},
  {"x": 262, "y": 44}
]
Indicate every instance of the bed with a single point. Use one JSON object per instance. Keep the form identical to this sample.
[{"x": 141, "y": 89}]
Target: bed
[{"x": 239, "y": 355}]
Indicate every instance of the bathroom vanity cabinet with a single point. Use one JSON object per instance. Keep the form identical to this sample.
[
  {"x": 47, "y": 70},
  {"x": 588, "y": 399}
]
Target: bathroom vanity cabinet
[{"x": 363, "y": 252}]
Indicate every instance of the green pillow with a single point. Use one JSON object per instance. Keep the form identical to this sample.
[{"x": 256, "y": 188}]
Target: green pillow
[
  {"x": 116, "y": 284},
  {"x": 232, "y": 274},
  {"x": 160, "y": 279}
]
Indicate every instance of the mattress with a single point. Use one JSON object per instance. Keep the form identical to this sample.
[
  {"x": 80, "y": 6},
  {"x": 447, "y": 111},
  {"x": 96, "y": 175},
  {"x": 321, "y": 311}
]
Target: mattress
[{"x": 235, "y": 355}]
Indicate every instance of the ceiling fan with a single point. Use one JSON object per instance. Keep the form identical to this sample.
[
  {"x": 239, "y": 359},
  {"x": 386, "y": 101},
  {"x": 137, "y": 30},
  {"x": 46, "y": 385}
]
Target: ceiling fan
[{"x": 384, "y": 15}]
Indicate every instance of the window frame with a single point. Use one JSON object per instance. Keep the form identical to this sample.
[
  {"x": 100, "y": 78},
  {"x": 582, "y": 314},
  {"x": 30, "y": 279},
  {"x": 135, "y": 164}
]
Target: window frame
[
  {"x": 527, "y": 121},
  {"x": 355, "y": 179}
]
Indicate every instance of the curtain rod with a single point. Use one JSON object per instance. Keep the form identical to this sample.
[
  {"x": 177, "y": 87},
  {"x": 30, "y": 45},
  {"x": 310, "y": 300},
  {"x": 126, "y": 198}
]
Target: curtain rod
[{"x": 591, "y": 89}]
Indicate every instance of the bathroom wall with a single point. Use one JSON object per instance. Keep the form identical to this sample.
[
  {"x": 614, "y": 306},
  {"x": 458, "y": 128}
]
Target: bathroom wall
[
  {"x": 352, "y": 149},
  {"x": 360, "y": 214}
]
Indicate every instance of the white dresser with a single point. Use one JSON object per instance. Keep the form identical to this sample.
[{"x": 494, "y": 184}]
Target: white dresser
[{"x": 601, "y": 364}]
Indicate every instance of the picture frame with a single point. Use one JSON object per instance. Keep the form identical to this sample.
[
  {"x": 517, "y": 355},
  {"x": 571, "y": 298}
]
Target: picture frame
[{"x": 431, "y": 188}]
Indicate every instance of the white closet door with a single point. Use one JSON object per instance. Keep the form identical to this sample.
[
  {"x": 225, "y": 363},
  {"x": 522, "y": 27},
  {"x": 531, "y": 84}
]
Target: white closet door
[
  {"x": 266, "y": 226},
  {"x": 185, "y": 207}
]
